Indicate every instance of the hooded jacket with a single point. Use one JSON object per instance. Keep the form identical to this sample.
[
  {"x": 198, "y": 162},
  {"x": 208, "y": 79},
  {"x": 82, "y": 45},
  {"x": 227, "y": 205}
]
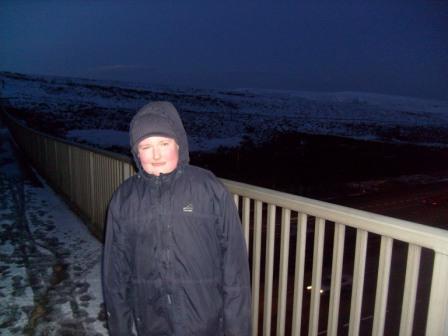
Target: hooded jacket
[{"x": 175, "y": 260}]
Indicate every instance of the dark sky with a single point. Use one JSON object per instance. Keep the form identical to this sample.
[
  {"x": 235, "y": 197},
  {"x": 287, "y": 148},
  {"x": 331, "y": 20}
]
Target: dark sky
[{"x": 386, "y": 46}]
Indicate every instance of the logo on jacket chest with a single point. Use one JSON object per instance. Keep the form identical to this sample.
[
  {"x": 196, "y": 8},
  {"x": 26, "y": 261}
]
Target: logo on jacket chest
[{"x": 188, "y": 207}]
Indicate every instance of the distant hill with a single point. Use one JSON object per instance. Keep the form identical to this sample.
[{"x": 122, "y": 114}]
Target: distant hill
[{"x": 92, "y": 111}]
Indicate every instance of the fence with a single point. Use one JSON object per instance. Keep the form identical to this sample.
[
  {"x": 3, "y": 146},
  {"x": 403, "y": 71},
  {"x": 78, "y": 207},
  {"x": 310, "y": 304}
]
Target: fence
[{"x": 317, "y": 268}]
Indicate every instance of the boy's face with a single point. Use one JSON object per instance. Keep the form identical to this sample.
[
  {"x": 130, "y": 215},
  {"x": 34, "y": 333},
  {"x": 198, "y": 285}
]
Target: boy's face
[{"x": 158, "y": 155}]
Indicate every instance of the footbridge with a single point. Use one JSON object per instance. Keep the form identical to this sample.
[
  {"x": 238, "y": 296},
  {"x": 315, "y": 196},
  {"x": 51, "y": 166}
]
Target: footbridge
[{"x": 316, "y": 268}]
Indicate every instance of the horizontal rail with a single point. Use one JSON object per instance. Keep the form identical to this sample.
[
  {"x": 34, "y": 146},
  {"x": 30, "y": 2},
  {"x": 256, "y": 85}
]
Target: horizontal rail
[{"x": 414, "y": 233}]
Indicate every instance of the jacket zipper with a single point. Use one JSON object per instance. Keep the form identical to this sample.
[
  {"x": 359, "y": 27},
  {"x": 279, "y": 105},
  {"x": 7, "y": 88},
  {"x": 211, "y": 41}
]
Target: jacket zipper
[{"x": 166, "y": 233}]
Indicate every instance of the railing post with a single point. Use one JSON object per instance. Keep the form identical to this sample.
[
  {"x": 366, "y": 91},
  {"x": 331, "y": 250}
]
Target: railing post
[
  {"x": 382, "y": 287},
  {"x": 70, "y": 174},
  {"x": 245, "y": 219},
  {"x": 358, "y": 282},
  {"x": 283, "y": 275},
  {"x": 92, "y": 186},
  {"x": 56, "y": 173},
  {"x": 269, "y": 270},
  {"x": 336, "y": 275},
  {"x": 316, "y": 282},
  {"x": 299, "y": 273},
  {"x": 256, "y": 254},
  {"x": 410, "y": 290}
]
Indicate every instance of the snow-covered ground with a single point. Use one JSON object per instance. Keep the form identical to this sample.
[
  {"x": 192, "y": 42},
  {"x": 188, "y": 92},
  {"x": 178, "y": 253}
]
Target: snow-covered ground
[
  {"x": 98, "y": 112},
  {"x": 50, "y": 264}
]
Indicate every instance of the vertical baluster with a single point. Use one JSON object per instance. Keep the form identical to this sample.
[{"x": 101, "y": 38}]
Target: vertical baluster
[
  {"x": 358, "y": 282},
  {"x": 246, "y": 220},
  {"x": 382, "y": 286},
  {"x": 318, "y": 253},
  {"x": 256, "y": 254},
  {"x": 236, "y": 199},
  {"x": 410, "y": 290},
  {"x": 299, "y": 274},
  {"x": 283, "y": 274},
  {"x": 336, "y": 275},
  {"x": 437, "y": 323},
  {"x": 269, "y": 270}
]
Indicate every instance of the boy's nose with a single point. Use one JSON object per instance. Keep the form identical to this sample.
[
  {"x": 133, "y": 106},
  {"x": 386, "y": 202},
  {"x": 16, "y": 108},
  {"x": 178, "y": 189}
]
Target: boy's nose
[{"x": 156, "y": 153}]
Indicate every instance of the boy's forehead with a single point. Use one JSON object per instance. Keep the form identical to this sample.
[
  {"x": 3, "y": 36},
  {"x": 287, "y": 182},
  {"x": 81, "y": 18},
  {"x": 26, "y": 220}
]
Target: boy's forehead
[{"x": 154, "y": 139}]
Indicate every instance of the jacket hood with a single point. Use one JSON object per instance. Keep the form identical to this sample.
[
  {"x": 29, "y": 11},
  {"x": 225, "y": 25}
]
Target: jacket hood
[{"x": 158, "y": 118}]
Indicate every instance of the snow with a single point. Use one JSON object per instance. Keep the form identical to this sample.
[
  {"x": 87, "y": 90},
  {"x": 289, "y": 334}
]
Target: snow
[
  {"x": 98, "y": 112},
  {"x": 50, "y": 264},
  {"x": 398, "y": 103}
]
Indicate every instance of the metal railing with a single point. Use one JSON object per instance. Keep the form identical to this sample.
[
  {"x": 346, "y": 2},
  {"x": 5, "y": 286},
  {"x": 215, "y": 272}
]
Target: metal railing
[
  {"x": 317, "y": 268},
  {"x": 85, "y": 176}
]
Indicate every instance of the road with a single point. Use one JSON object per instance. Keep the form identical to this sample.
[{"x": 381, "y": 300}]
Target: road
[{"x": 425, "y": 202}]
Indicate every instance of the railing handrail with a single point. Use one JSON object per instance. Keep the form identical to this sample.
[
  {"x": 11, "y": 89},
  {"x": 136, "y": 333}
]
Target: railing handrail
[
  {"x": 426, "y": 236},
  {"x": 415, "y": 233}
]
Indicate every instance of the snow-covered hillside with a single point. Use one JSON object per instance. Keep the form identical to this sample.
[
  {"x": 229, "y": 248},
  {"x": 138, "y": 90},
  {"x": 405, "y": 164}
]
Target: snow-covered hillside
[{"x": 99, "y": 112}]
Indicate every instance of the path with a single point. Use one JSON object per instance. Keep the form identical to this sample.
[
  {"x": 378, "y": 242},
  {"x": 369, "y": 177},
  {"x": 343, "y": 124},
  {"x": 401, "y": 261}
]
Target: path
[{"x": 50, "y": 265}]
